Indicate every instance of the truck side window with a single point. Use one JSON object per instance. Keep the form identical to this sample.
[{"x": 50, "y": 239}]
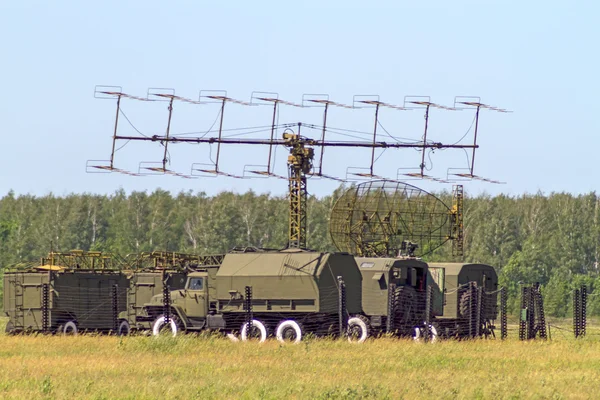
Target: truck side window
[{"x": 196, "y": 283}]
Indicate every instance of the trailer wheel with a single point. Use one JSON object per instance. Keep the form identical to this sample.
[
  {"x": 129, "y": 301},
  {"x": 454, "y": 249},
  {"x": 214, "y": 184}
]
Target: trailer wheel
[
  {"x": 433, "y": 334},
  {"x": 68, "y": 329},
  {"x": 158, "y": 324},
  {"x": 257, "y": 330},
  {"x": 289, "y": 330},
  {"x": 124, "y": 328},
  {"x": 358, "y": 329}
]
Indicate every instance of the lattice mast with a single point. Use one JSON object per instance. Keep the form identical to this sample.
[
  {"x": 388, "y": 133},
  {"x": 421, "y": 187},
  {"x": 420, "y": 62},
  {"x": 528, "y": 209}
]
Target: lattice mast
[
  {"x": 456, "y": 221},
  {"x": 299, "y": 165}
]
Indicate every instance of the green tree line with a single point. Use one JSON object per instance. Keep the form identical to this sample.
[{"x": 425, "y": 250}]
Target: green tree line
[{"x": 551, "y": 239}]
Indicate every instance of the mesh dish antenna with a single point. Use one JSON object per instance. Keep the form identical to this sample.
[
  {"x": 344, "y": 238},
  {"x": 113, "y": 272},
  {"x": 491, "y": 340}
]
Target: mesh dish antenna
[{"x": 379, "y": 218}]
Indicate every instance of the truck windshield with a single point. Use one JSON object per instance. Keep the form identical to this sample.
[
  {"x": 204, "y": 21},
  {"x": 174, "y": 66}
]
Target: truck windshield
[{"x": 196, "y": 284}]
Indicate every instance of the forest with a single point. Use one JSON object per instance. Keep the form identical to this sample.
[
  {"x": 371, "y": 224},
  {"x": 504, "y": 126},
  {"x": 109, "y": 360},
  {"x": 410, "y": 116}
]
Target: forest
[{"x": 552, "y": 239}]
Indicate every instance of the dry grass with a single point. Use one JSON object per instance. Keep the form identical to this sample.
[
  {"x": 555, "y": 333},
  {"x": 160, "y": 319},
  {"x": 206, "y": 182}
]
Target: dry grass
[{"x": 98, "y": 367}]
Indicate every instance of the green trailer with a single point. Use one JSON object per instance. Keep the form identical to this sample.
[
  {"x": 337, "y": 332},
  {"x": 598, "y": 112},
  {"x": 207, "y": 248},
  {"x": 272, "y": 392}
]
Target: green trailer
[
  {"x": 393, "y": 291},
  {"x": 57, "y": 300},
  {"x": 287, "y": 294},
  {"x": 457, "y": 285},
  {"x": 142, "y": 287}
]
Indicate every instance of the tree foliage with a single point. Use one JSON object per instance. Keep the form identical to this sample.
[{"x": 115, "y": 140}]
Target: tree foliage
[{"x": 551, "y": 239}]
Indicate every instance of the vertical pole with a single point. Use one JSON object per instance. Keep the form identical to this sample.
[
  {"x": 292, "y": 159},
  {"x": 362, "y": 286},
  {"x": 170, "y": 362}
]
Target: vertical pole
[
  {"x": 503, "y": 312},
  {"x": 479, "y": 311},
  {"x": 115, "y": 308},
  {"x": 45, "y": 307},
  {"x": 391, "y": 308},
  {"x": 530, "y": 313},
  {"x": 374, "y": 137},
  {"x": 219, "y": 142},
  {"x": 475, "y": 139},
  {"x": 576, "y": 313},
  {"x": 583, "y": 310},
  {"x": 112, "y": 153},
  {"x": 472, "y": 309},
  {"x": 541, "y": 315},
  {"x": 424, "y": 140},
  {"x": 523, "y": 316},
  {"x": 428, "y": 312},
  {"x": 166, "y": 299},
  {"x": 249, "y": 312},
  {"x": 164, "y": 161},
  {"x": 342, "y": 320}
]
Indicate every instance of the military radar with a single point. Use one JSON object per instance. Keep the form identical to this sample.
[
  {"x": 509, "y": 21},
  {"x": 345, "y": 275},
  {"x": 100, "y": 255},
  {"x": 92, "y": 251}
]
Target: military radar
[
  {"x": 390, "y": 219},
  {"x": 305, "y": 154}
]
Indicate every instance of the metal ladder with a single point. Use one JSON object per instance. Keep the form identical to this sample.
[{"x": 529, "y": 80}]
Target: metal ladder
[{"x": 19, "y": 320}]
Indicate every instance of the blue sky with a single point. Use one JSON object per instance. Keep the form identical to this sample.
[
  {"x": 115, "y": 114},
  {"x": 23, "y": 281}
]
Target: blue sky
[{"x": 537, "y": 59}]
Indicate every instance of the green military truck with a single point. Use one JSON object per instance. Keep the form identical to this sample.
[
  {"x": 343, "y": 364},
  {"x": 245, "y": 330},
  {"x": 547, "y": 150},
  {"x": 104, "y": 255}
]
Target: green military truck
[
  {"x": 149, "y": 274},
  {"x": 393, "y": 291},
  {"x": 394, "y": 294},
  {"x": 457, "y": 284},
  {"x": 287, "y": 294},
  {"x": 54, "y": 299}
]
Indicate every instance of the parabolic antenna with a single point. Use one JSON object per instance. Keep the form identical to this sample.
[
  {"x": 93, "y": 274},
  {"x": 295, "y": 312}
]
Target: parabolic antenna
[{"x": 374, "y": 218}]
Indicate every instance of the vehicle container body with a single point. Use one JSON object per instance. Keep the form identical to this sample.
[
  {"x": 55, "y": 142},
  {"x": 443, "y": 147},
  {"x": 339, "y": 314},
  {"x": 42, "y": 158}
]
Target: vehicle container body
[
  {"x": 84, "y": 297},
  {"x": 451, "y": 280},
  {"x": 409, "y": 278},
  {"x": 143, "y": 286},
  {"x": 296, "y": 285}
]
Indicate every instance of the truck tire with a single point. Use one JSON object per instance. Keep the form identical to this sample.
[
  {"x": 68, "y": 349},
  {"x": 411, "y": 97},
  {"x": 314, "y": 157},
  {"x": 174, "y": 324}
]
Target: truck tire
[
  {"x": 358, "y": 329},
  {"x": 433, "y": 334},
  {"x": 68, "y": 329},
  {"x": 256, "y": 325},
  {"x": 160, "y": 322},
  {"x": 289, "y": 330},
  {"x": 9, "y": 328},
  {"x": 405, "y": 308},
  {"x": 124, "y": 328}
]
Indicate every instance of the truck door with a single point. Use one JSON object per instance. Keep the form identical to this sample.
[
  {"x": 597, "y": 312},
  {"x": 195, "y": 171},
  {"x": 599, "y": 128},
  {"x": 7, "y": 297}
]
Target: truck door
[{"x": 196, "y": 296}]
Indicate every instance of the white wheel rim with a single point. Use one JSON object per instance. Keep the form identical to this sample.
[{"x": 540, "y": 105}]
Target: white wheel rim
[
  {"x": 159, "y": 324},
  {"x": 124, "y": 328},
  {"x": 289, "y": 324},
  {"x": 73, "y": 329},
  {"x": 256, "y": 324},
  {"x": 363, "y": 329},
  {"x": 417, "y": 334},
  {"x": 433, "y": 334}
]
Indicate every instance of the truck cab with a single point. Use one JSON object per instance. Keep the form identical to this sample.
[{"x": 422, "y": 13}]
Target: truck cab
[
  {"x": 188, "y": 307},
  {"x": 194, "y": 298}
]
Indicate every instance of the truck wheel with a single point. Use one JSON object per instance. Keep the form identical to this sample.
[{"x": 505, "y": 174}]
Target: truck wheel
[
  {"x": 124, "y": 328},
  {"x": 158, "y": 324},
  {"x": 9, "y": 328},
  {"x": 289, "y": 330},
  {"x": 358, "y": 329},
  {"x": 257, "y": 330},
  {"x": 433, "y": 334},
  {"x": 68, "y": 329}
]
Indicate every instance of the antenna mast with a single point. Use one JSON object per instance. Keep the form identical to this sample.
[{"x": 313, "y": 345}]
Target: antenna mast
[{"x": 301, "y": 148}]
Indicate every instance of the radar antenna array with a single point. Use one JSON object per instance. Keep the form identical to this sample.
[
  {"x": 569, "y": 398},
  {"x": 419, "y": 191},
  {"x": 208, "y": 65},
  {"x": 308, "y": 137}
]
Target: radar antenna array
[
  {"x": 385, "y": 218},
  {"x": 301, "y": 148}
]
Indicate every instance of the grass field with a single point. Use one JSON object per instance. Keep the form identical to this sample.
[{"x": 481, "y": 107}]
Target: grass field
[{"x": 103, "y": 367}]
